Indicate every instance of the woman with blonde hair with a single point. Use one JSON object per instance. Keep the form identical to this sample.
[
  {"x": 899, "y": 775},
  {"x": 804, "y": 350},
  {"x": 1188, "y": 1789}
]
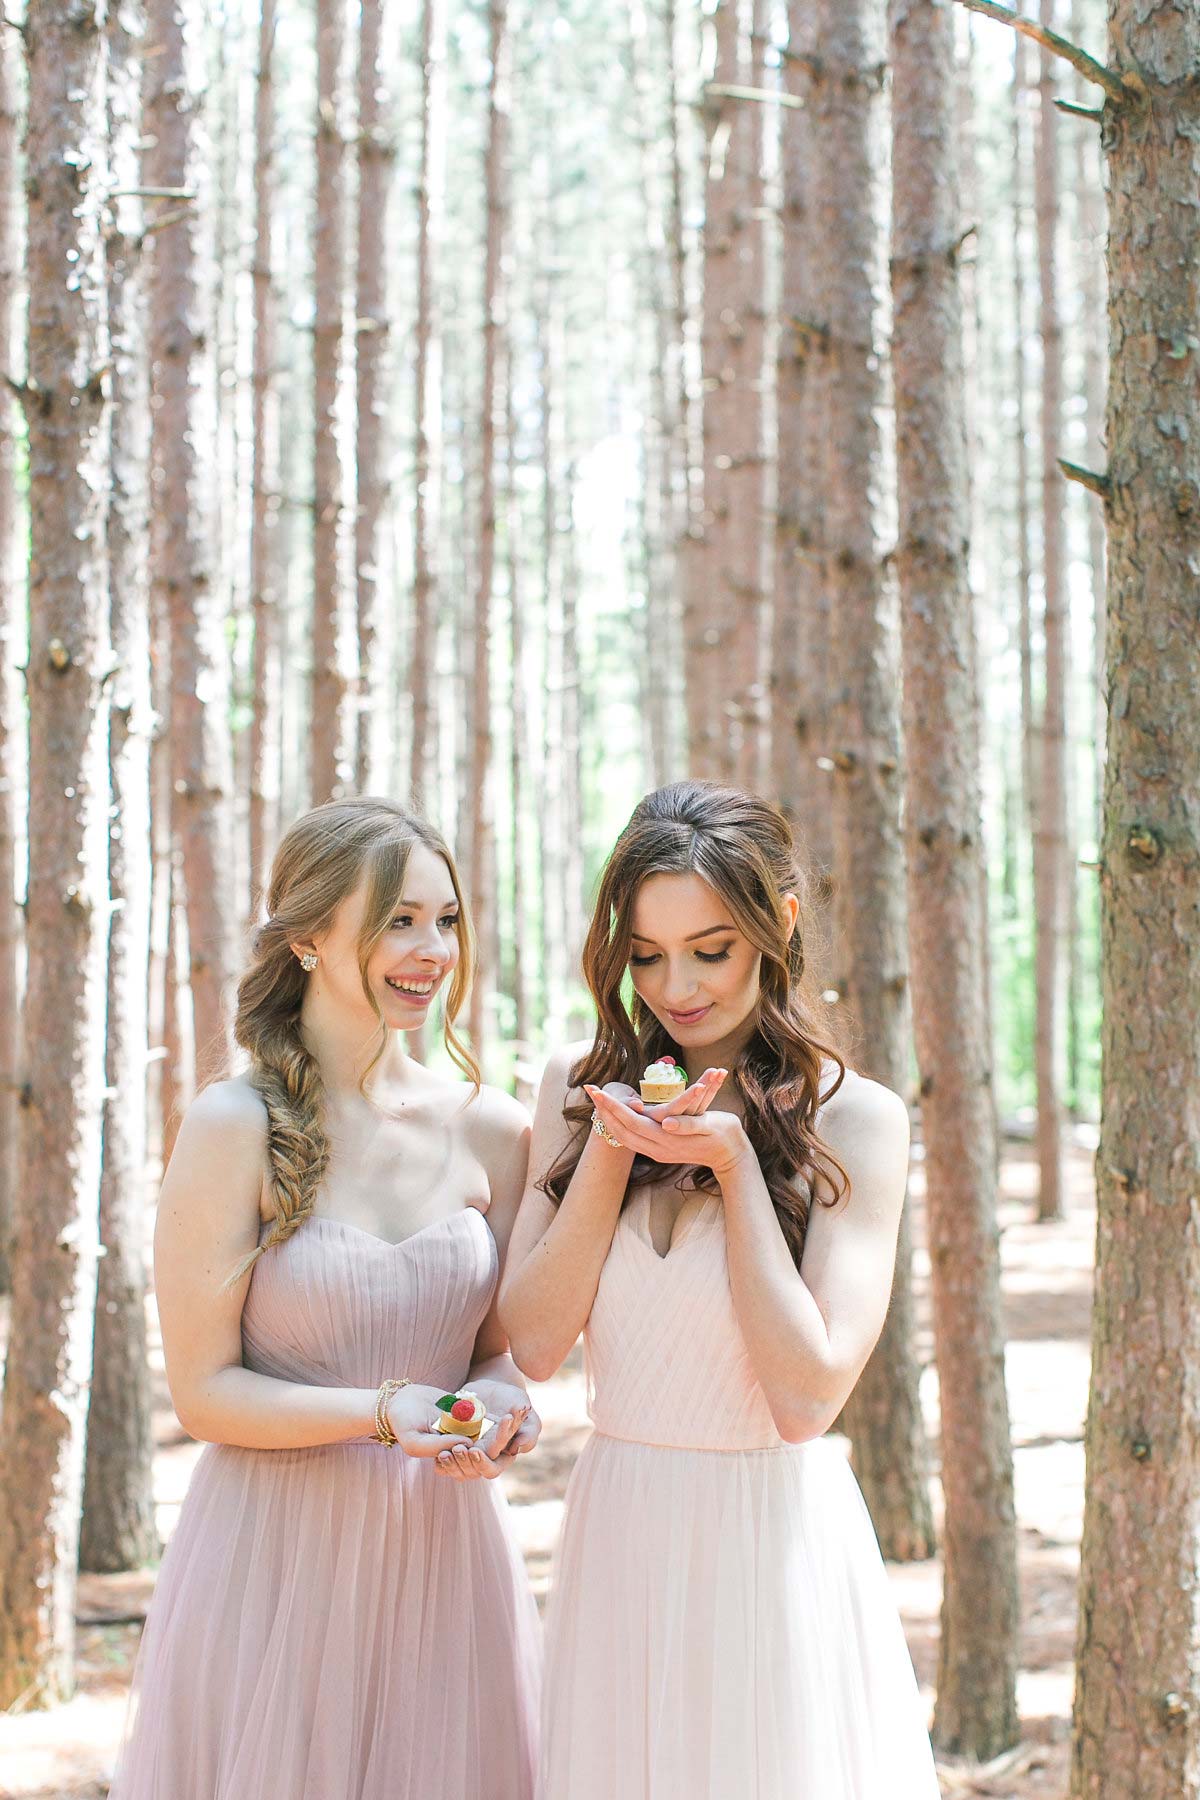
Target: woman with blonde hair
[
  {"x": 720, "y": 1624},
  {"x": 341, "y": 1612}
]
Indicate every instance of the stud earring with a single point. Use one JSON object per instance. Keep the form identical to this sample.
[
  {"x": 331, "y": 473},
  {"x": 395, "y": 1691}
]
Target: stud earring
[{"x": 308, "y": 961}]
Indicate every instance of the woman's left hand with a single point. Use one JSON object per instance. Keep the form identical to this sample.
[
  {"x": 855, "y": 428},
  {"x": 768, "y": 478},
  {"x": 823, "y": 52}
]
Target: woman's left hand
[{"x": 710, "y": 1140}]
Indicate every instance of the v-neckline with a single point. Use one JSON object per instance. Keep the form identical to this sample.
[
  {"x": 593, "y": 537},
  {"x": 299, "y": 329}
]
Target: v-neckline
[{"x": 677, "y": 1242}]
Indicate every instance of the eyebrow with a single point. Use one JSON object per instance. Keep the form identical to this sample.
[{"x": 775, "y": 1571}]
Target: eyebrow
[
  {"x": 707, "y": 932},
  {"x": 419, "y": 906}
]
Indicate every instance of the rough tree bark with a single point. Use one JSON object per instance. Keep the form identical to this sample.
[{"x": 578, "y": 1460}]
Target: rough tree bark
[
  {"x": 884, "y": 1415},
  {"x": 1137, "y": 1702},
  {"x": 800, "y": 620},
  {"x": 976, "y": 1710},
  {"x": 427, "y": 460},
  {"x": 182, "y": 430},
  {"x": 55, "y": 1248},
  {"x": 118, "y": 1530},
  {"x": 376, "y": 160},
  {"x": 725, "y": 573},
  {"x": 481, "y": 854},
  {"x": 1050, "y": 816},
  {"x": 264, "y": 483},
  {"x": 10, "y": 610},
  {"x": 332, "y": 736}
]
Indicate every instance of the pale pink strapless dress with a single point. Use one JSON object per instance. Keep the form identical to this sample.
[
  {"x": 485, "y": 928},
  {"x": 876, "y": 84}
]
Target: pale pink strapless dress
[
  {"x": 720, "y": 1624},
  {"x": 341, "y": 1623}
]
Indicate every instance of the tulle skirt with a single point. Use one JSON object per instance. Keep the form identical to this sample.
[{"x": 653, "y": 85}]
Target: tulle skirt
[
  {"x": 335, "y": 1624},
  {"x": 721, "y": 1627}
]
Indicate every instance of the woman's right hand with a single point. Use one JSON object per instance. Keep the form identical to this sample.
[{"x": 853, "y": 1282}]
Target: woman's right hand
[{"x": 413, "y": 1416}]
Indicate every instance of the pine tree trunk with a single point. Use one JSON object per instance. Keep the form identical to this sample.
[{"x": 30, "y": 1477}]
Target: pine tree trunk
[
  {"x": 1089, "y": 203},
  {"x": 884, "y": 1415},
  {"x": 1137, "y": 1700},
  {"x": 800, "y": 627},
  {"x": 482, "y": 835},
  {"x": 264, "y": 484},
  {"x": 518, "y": 758},
  {"x": 333, "y": 736},
  {"x": 57, "y": 1202},
  {"x": 725, "y": 597},
  {"x": 118, "y": 1529},
  {"x": 376, "y": 160},
  {"x": 11, "y": 591},
  {"x": 427, "y": 461},
  {"x": 1029, "y": 757},
  {"x": 183, "y": 430},
  {"x": 1050, "y": 827},
  {"x": 976, "y": 1710}
]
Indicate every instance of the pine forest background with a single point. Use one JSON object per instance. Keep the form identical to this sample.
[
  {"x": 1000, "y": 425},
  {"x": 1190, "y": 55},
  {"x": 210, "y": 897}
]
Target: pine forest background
[{"x": 512, "y": 405}]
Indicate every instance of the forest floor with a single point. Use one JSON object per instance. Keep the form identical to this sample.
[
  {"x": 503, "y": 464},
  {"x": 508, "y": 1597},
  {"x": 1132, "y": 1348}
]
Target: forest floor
[{"x": 67, "y": 1754}]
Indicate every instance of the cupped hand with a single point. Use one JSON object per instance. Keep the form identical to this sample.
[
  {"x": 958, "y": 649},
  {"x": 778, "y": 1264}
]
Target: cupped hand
[
  {"x": 515, "y": 1431},
  {"x": 413, "y": 1416},
  {"x": 682, "y": 1131}
]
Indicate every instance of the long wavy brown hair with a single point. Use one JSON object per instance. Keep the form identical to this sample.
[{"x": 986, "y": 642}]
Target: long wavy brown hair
[
  {"x": 744, "y": 848},
  {"x": 319, "y": 863}
]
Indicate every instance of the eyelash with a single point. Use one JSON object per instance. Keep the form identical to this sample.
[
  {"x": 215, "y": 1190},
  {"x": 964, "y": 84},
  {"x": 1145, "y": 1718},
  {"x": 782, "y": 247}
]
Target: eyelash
[
  {"x": 450, "y": 919},
  {"x": 714, "y": 956}
]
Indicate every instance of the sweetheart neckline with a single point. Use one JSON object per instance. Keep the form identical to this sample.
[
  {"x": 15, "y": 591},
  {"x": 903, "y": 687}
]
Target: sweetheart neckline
[{"x": 391, "y": 1243}]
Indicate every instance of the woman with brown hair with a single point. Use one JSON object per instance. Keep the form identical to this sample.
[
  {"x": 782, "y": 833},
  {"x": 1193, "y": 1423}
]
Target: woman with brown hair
[
  {"x": 341, "y": 1612},
  {"x": 720, "y": 1625}
]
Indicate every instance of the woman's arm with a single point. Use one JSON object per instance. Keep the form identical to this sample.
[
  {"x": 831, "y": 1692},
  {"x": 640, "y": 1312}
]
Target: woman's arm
[
  {"x": 810, "y": 1331},
  {"x": 208, "y": 1220},
  {"x": 502, "y": 1133},
  {"x": 556, "y": 1254}
]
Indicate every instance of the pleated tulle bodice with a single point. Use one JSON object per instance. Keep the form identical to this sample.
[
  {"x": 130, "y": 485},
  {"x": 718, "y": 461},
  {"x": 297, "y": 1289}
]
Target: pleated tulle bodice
[
  {"x": 338, "y": 1307},
  {"x": 666, "y": 1360}
]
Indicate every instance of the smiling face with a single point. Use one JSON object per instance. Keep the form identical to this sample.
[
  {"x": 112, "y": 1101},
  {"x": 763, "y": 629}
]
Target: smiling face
[
  {"x": 690, "y": 963},
  {"x": 415, "y": 956}
]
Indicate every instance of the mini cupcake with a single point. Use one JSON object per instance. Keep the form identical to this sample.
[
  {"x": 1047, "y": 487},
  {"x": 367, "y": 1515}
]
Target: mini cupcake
[
  {"x": 462, "y": 1415},
  {"x": 662, "y": 1081}
]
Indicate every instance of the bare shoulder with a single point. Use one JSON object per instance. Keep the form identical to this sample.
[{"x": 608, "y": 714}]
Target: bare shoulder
[
  {"x": 496, "y": 1119},
  {"x": 214, "y": 1182},
  {"x": 556, "y": 1076},
  {"x": 862, "y": 1107},
  {"x": 866, "y": 1126},
  {"x": 226, "y": 1106}
]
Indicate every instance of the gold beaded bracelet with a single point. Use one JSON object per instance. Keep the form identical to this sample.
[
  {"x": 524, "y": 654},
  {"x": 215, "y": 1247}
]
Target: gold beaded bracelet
[
  {"x": 383, "y": 1429},
  {"x": 601, "y": 1130}
]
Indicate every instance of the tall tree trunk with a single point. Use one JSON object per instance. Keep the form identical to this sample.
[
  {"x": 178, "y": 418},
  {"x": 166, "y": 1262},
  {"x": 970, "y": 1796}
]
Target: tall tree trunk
[
  {"x": 518, "y": 755},
  {"x": 884, "y": 1414},
  {"x": 1050, "y": 819},
  {"x": 976, "y": 1691},
  {"x": 264, "y": 484},
  {"x": 800, "y": 620},
  {"x": 482, "y": 835},
  {"x": 427, "y": 460},
  {"x": 376, "y": 160},
  {"x": 748, "y": 761},
  {"x": 333, "y": 736},
  {"x": 11, "y": 590},
  {"x": 1137, "y": 1696},
  {"x": 182, "y": 431},
  {"x": 1089, "y": 202},
  {"x": 57, "y": 1203},
  {"x": 725, "y": 595},
  {"x": 1029, "y": 757},
  {"x": 118, "y": 1530}
]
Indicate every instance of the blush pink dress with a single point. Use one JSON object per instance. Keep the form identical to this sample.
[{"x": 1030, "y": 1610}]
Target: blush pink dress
[
  {"x": 342, "y": 1623},
  {"x": 720, "y": 1625}
]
